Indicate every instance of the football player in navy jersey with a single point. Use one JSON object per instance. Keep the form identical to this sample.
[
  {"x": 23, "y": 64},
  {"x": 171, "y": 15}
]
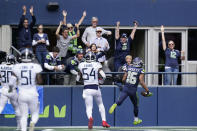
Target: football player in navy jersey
[{"x": 133, "y": 76}]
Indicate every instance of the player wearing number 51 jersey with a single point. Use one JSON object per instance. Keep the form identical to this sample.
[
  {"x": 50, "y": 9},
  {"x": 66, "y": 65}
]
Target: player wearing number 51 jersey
[
  {"x": 89, "y": 71},
  {"x": 133, "y": 76},
  {"x": 28, "y": 77},
  {"x": 8, "y": 92}
]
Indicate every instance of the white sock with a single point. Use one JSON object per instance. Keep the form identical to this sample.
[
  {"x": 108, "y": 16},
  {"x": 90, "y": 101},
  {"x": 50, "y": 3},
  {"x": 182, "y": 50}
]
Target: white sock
[{"x": 135, "y": 118}]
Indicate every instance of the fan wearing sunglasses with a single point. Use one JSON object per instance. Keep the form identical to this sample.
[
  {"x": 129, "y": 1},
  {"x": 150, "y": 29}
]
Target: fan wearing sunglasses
[{"x": 171, "y": 62}]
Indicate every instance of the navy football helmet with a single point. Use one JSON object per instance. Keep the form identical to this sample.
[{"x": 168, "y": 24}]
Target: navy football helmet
[{"x": 137, "y": 62}]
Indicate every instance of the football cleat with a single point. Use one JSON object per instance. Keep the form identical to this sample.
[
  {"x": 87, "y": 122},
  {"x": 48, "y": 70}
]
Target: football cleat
[
  {"x": 112, "y": 108},
  {"x": 137, "y": 122},
  {"x": 105, "y": 124},
  {"x": 90, "y": 123},
  {"x": 32, "y": 125}
]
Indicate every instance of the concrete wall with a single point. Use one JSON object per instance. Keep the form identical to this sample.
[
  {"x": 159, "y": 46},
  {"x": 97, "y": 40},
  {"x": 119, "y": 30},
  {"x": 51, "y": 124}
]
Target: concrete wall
[{"x": 169, "y": 106}]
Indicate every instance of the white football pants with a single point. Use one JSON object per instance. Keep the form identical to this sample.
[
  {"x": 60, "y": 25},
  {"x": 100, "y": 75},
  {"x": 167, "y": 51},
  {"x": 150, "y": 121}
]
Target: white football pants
[
  {"x": 28, "y": 102},
  {"x": 88, "y": 95},
  {"x": 13, "y": 97}
]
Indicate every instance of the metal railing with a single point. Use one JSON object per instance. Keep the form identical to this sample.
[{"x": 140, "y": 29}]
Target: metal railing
[{"x": 116, "y": 73}]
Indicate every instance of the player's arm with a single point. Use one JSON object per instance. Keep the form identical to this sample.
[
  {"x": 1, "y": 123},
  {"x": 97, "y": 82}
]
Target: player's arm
[
  {"x": 141, "y": 78},
  {"x": 39, "y": 79},
  {"x": 124, "y": 77},
  {"x": 102, "y": 74},
  {"x": 163, "y": 38},
  {"x": 134, "y": 30},
  {"x": 79, "y": 75}
]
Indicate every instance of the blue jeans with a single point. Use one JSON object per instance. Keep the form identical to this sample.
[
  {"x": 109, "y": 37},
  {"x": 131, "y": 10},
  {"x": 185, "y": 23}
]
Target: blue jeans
[
  {"x": 171, "y": 79},
  {"x": 41, "y": 55},
  {"x": 118, "y": 63}
]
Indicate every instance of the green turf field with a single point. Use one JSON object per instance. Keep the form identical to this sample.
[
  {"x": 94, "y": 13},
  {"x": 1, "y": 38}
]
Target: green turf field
[{"x": 156, "y": 128}]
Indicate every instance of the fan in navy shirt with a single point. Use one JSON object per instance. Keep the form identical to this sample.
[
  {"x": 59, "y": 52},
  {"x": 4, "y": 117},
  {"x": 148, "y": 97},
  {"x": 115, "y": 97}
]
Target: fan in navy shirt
[
  {"x": 171, "y": 63},
  {"x": 72, "y": 68},
  {"x": 123, "y": 46},
  {"x": 25, "y": 30},
  {"x": 41, "y": 41}
]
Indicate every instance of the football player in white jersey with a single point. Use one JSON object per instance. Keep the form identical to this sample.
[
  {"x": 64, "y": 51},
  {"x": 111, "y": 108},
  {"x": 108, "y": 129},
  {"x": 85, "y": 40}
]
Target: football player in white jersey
[
  {"x": 28, "y": 77},
  {"x": 89, "y": 71},
  {"x": 7, "y": 91}
]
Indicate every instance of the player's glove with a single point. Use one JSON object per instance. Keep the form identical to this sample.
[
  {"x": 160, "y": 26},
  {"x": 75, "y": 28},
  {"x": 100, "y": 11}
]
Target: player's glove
[{"x": 146, "y": 93}]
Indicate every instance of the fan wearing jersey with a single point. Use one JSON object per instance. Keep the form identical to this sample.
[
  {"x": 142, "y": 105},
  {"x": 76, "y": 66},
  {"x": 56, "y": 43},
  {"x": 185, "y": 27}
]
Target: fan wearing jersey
[
  {"x": 89, "y": 71},
  {"x": 28, "y": 76},
  {"x": 133, "y": 76},
  {"x": 7, "y": 91}
]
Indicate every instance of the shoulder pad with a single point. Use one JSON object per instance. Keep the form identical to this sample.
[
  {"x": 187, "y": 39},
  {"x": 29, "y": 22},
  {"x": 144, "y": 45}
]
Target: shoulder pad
[
  {"x": 73, "y": 62},
  {"x": 48, "y": 56}
]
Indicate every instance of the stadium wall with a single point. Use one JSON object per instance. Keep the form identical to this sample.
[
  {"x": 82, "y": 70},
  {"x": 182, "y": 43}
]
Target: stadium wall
[
  {"x": 169, "y": 106},
  {"x": 147, "y": 12}
]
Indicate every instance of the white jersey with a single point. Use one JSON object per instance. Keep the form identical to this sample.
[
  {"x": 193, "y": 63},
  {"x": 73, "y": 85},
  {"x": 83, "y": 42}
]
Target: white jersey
[
  {"x": 6, "y": 73},
  {"x": 90, "y": 72},
  {"x": 26, "y": 74}
]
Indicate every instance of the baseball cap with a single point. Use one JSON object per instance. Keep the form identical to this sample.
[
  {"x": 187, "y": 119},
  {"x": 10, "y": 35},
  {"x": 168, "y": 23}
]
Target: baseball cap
[
  {"x": 98, "y": 29},
  {"x": 124, "y": 35}
]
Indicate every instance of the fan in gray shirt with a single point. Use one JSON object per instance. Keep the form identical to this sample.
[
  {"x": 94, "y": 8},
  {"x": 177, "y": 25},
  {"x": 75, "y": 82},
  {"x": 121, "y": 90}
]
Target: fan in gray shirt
[{"x": 64, "y": 40}]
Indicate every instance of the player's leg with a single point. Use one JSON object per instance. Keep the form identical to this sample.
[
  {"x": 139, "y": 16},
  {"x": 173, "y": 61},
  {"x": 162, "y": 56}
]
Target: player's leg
[
  {"x": 87, "y": 96},
  {"x": 24, "y": 113},
  {"x": 123, "y": 95},
  {"x": 15, "y": 104},
  {"x": 134, "y": 99},
  {"x": 99, "y": 102},
  {"x": 3, "y": 101},
  {"x": 34, "y": 109}
]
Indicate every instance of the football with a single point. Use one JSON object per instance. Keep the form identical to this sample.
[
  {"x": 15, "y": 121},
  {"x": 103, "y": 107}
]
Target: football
[{"x": 144, "y": 93}]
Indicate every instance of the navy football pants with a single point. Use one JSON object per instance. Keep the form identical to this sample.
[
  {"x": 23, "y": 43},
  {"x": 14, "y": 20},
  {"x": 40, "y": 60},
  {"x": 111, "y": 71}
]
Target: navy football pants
[{"x": 131, "y": 92}]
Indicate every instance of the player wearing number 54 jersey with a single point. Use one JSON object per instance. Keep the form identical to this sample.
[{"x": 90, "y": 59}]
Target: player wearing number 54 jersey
[
  {"x": 133, "y": 76},
  {"x": 28, "y": 77},
  {"x": 89, "y": 71}
]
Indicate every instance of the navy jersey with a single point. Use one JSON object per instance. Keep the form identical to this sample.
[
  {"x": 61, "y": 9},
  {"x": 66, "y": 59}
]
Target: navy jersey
[
  {"x": 122, "y": 49},
  {"x": 133, "y": 74},
  {"x": 172, "y": 57}
]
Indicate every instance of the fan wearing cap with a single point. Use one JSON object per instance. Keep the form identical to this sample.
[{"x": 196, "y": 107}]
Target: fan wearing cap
[
  {"x": 72, "y": 68},
  {"x": 123, "y": 46},
  {"x": 90, "y": 32},
  {"x": 73, "y": 46},
  {"x": 64, "y": 40},
  {"x": 101, "y": 43}
]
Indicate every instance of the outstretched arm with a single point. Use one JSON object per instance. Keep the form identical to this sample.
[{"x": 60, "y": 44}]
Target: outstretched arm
[
  {"x": 117, "y": 34},
  {"x": 58, "y": 30},
  {"x": 142, "y": 82},
  {"x": 82, "y": 18},
  {"x": 33, "y": 17},
  {"x": 64, "y": 13},
  {"x": 23, "y": 16},
  {"x": 134, "y": 30},
  {"x": 163, "y": 38}
]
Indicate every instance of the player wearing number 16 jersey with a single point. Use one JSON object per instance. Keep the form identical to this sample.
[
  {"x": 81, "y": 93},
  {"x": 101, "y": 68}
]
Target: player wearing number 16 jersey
[
  {"x": 89, "y": 71},
  {"x": 133, "y": 76},
  {"x": 8, "y": 92},
  {"x": 28, "y": 76}
]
